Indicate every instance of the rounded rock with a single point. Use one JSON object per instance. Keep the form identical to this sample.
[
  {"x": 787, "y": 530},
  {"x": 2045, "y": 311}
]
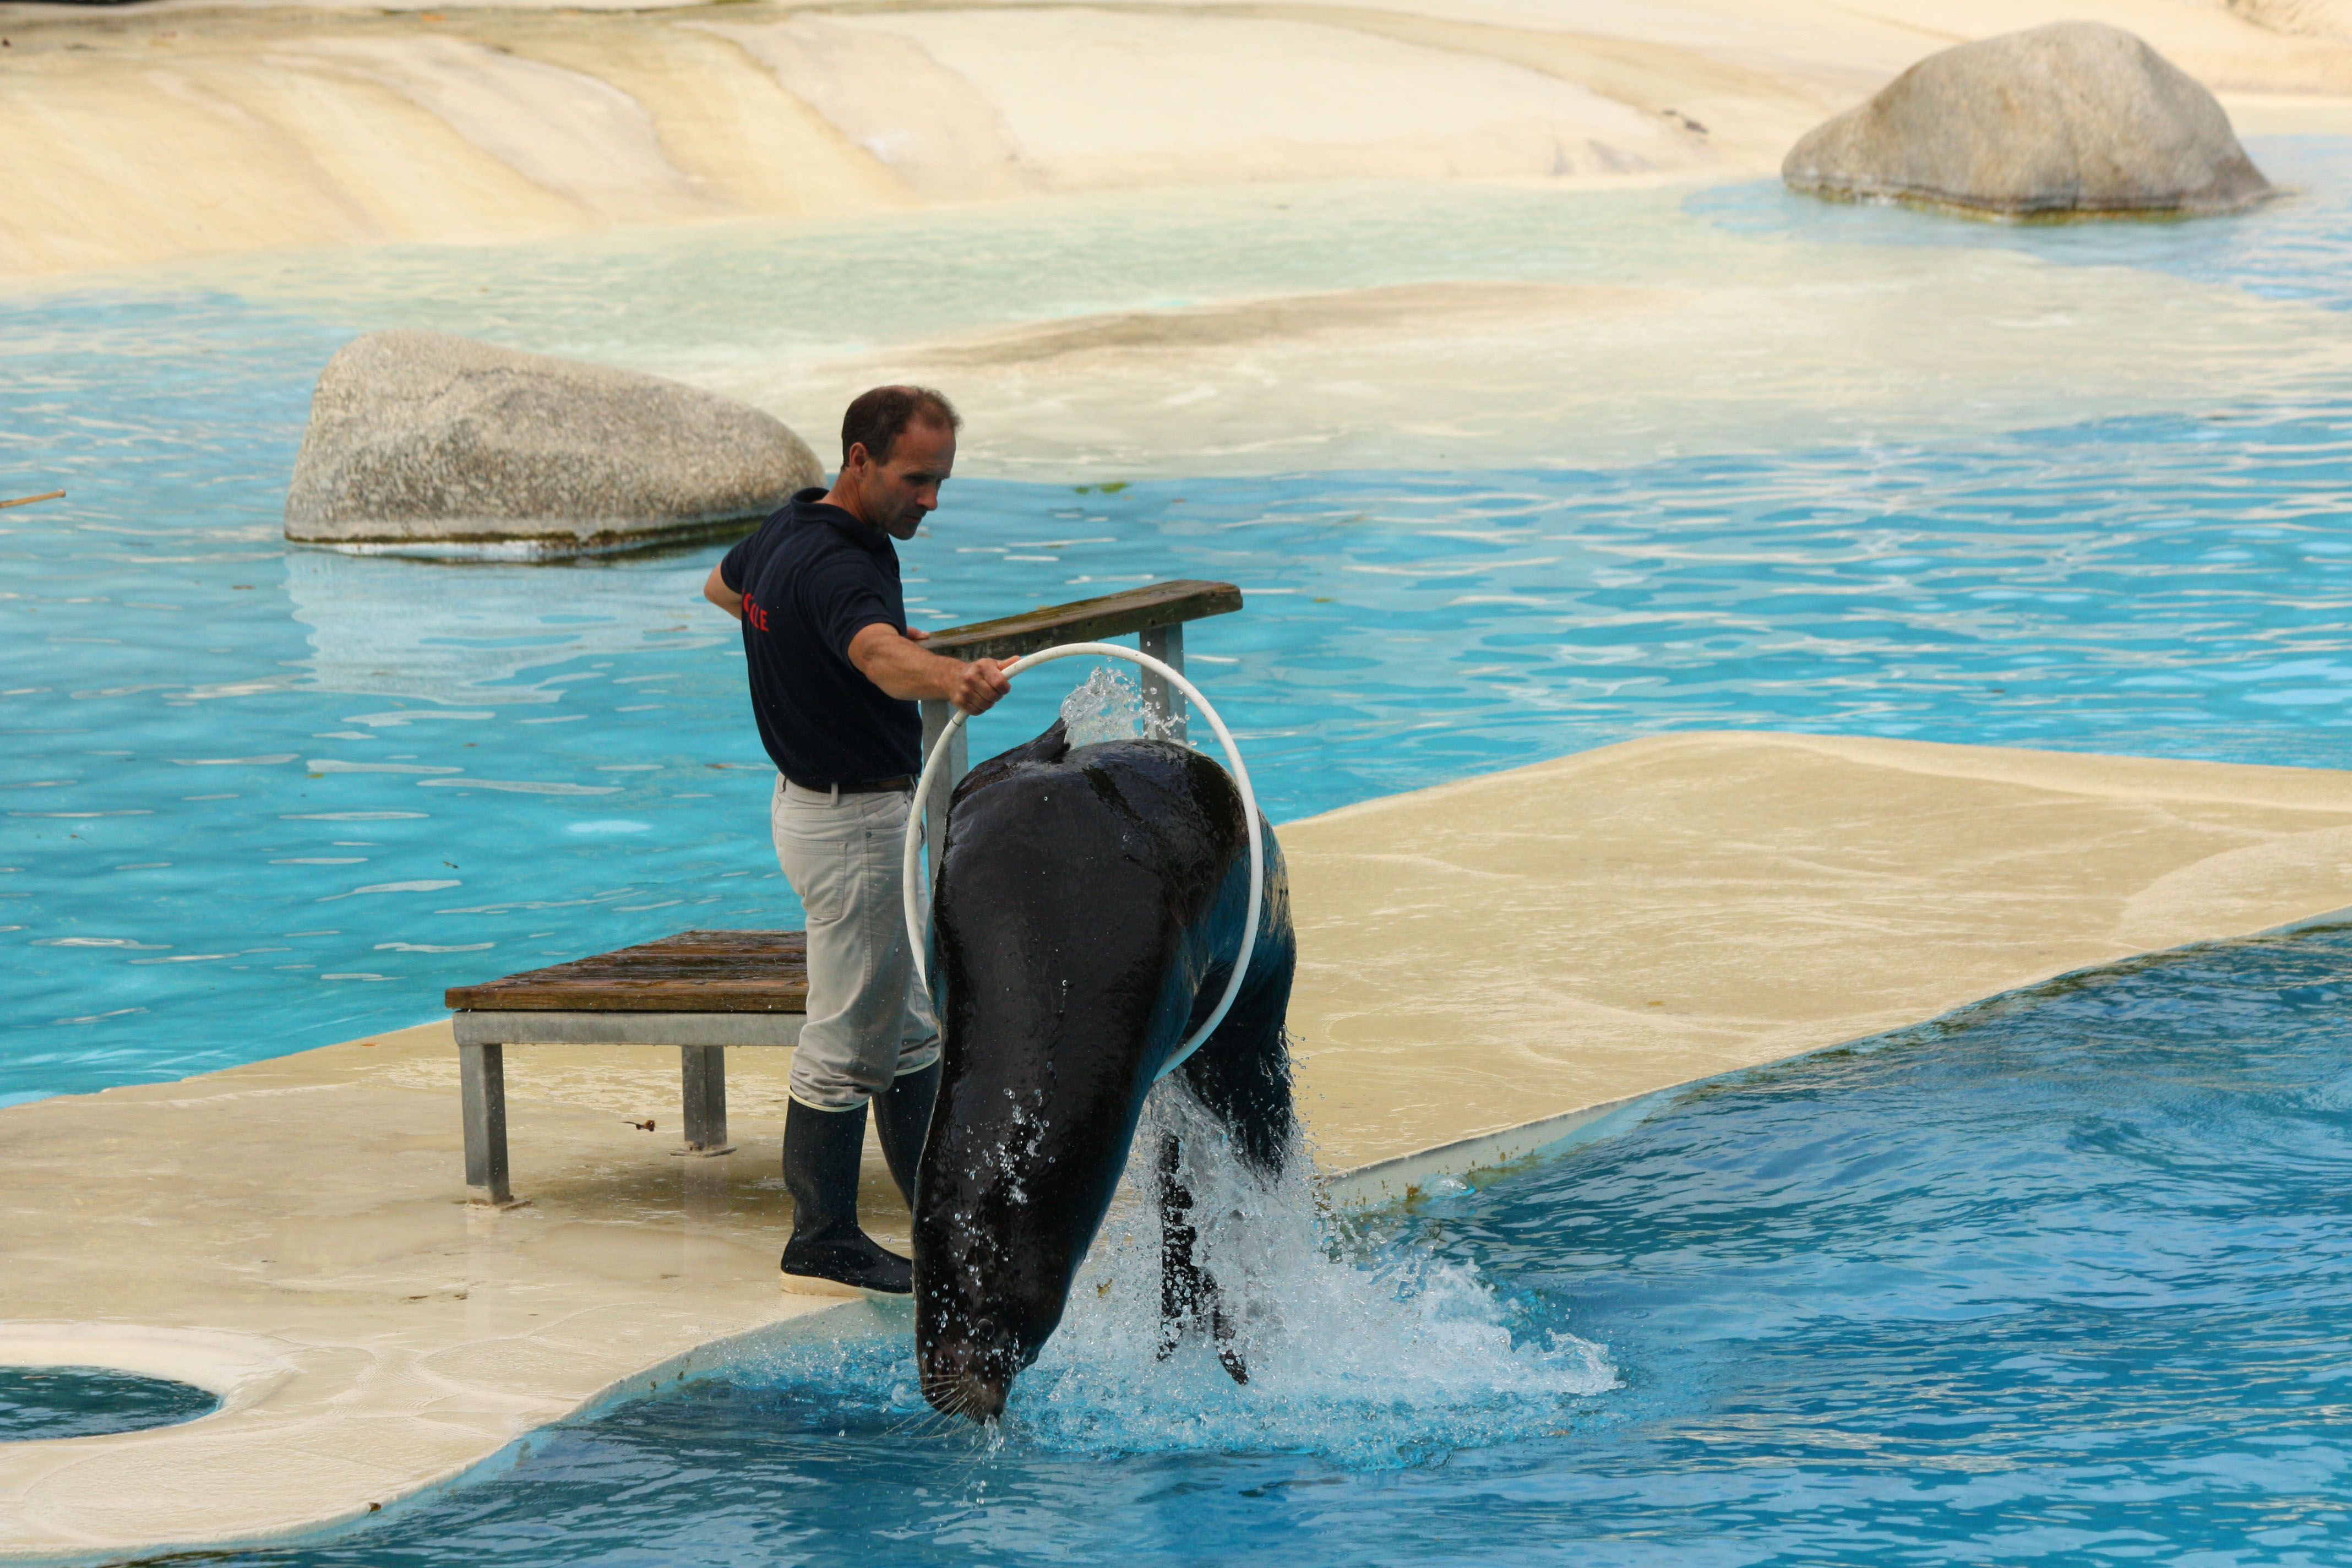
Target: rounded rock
[
  {"x": 2077, "y": 119},
  {"x": 423, "y": 443}
]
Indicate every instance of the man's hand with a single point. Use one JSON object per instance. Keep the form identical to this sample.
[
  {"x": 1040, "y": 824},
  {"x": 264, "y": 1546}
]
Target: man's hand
[
  {"x": 978, "y": 685},
  {"x": 715, "y": 589},
  {"x": 903, "y": 669}
]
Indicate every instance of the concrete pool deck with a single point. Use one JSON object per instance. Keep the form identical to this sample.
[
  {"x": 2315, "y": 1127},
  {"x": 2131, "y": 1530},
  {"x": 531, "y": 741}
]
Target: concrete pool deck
[{"x": 1485, "y": 966}]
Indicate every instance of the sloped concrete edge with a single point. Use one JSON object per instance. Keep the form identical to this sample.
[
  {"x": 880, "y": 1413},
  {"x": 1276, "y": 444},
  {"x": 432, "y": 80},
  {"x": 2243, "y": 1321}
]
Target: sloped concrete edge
[{"x": 1403, "y": 1179}]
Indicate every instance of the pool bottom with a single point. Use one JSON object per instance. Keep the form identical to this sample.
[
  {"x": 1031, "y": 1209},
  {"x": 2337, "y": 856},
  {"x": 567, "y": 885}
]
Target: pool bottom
[{"x": 2059, "y": 1278}]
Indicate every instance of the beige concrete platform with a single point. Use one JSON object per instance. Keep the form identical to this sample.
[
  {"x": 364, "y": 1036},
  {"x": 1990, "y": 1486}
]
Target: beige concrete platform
[
  {"x": 1522, "y": 948},
  {"x": 1536, "y": 943}
]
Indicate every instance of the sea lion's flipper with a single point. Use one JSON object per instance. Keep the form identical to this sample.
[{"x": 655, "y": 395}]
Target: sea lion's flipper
[
  {"x": 1221, "y": 1329},
  {"x": 1188, "y": 1293},
  {"x": 1180, "y": 1275}
]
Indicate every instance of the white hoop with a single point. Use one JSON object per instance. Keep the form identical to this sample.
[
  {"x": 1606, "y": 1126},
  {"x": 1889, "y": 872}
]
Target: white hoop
[{"x": 917, "y": 923}]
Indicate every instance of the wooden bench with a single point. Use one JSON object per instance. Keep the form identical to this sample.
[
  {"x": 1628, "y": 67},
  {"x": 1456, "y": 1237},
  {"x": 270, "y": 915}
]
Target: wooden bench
[
  {"x": 701, "y": 991},
  {"x": 704, "y": 991}
]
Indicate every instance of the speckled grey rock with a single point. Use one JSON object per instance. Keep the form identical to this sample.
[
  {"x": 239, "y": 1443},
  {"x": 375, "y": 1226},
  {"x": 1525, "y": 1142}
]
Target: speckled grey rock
[
  {"x": 427, "y": 444},
  {"x": 2073, "y": 119}
]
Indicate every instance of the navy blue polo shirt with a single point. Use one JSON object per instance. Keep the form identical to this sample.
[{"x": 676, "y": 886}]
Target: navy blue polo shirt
[{"x": 811, "y": 579}]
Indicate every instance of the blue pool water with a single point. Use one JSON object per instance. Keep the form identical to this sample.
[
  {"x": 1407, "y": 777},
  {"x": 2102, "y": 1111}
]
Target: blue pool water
[
  {"x": 2066, "y": 1278},
  {"x": 48, "y": 1402},
  {"x": 260, "y": 799}
]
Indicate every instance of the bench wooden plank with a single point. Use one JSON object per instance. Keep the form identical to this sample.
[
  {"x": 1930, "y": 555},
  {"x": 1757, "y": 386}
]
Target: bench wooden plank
[
  {"x": 692, "y": 972},
  {"x": 1088, "y": 620},
  {"x": 545, "y": 1027}
]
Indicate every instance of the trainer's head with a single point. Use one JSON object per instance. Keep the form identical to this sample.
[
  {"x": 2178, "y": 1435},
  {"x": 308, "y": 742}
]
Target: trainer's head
[{"x": 897, "y": 446}]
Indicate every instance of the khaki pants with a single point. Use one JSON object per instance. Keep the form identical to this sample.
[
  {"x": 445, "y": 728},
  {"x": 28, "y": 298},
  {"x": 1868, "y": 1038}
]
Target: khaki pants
[{"x": 867, "y": 1023}]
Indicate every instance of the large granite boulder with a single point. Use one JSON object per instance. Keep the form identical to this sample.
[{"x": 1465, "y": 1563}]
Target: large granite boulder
[
  {"x": 425, "y": 444},
  {"x": 2077, "y": 118}
]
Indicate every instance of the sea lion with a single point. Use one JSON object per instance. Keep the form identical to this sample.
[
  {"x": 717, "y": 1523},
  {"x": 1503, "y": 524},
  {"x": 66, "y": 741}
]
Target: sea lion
[{"x": 1089, "y": 909}]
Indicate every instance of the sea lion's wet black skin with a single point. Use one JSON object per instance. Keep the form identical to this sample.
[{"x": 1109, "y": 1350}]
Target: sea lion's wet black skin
[{"x": 1087, "y": 911}]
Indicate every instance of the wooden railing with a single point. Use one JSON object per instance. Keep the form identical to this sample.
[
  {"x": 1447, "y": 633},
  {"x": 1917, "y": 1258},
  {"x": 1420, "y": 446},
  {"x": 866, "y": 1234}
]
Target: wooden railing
[
  {"x": 1154, "y": 607},
  {"x": 1154, "y": 614}
]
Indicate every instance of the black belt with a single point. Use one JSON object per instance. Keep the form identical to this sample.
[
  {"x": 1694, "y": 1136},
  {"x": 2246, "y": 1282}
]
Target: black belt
[{"x": 903, "y": 783}]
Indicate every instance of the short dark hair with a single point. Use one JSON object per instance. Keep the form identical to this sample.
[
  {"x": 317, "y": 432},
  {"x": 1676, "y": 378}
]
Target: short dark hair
[{"x": 877, "y": 418}]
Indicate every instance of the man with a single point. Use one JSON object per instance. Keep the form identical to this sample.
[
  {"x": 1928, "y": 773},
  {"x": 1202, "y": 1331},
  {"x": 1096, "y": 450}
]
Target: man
[{"x": 835, "y": 677}]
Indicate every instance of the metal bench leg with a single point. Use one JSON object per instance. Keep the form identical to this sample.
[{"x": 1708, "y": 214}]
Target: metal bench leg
[
  {"x": 482, "y": 1080},
  {"x": 1165, "y": 644},
  {"x": 702, "y": 1071}
]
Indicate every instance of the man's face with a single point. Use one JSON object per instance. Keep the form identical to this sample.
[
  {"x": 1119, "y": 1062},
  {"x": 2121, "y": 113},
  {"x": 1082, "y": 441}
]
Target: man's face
[{"x": 897, "y": 494}]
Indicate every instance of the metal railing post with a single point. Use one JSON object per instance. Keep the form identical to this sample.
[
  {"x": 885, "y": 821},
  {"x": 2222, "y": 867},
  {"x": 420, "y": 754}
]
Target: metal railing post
[
  {"x": 1165, "y": 644},
  {"x": 482, "y": 1098},
  {"x": 702, "y": 1081}
]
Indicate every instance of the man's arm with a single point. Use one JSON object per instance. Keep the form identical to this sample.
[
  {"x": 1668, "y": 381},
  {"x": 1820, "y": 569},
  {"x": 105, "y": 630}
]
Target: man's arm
[
  {"x": 901, "y": 668},
  {"x": 715, "y": 589}
]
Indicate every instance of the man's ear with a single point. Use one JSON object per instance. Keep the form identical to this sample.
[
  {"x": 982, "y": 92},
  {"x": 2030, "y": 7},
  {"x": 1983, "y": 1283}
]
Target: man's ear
[{"x": 858, "y": 456}]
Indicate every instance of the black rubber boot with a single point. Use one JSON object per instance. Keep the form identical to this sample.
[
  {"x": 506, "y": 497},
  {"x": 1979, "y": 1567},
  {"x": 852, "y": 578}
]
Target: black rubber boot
[
  {"x": 821, "y": 1153},
  {"x": 902, "y": 1116}
]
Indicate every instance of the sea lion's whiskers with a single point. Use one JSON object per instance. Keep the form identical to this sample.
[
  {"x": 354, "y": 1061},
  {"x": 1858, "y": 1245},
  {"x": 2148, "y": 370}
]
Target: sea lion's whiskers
[
  {"x": 911, "y": 1423},
  {"x": 979, "y": 1449},
  {"x": 942, "y": 1422}
]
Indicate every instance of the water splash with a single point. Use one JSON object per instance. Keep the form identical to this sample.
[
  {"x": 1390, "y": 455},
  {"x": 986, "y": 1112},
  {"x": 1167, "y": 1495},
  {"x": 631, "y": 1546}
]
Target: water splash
[
  {"x": 1367, "y": 1353},
  {"x": 1372, "y": 1356},
  {"x": 1107, "y": 706},
  {"x": 1363, "y": 1347}
]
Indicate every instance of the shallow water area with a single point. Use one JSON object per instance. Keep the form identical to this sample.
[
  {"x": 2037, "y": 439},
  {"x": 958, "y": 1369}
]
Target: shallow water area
[
  {"x": 41, "y": 1403},
  {"x": 1368, "y": 1357},
  {"x": 2059, "y": 1278},
  {"x": 1398, "y": 326}
]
